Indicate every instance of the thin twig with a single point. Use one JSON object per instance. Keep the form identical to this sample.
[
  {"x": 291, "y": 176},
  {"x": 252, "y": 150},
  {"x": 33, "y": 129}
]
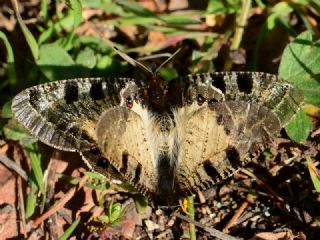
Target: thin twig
[
  {"x": 62, "y": 202},
  {"x": 238, "y": 213},
  {"x": 213, "y": 232},
  {"x": 13, "y": 166},
  {"x": 264, "y": 185}
]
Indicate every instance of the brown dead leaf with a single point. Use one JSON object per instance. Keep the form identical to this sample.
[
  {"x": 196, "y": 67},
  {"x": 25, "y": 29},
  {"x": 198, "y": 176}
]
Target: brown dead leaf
[
  {"x": 8, "y": 215},
  {"x": 130, "y": 31},
  {"x": 178, "y": 5}
]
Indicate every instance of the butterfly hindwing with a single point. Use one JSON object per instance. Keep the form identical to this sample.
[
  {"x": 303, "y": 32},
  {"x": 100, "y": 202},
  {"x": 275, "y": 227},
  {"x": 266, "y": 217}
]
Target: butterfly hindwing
[
  {"x": 126, "y": 141},
  {"x": 216, "y": 141}
]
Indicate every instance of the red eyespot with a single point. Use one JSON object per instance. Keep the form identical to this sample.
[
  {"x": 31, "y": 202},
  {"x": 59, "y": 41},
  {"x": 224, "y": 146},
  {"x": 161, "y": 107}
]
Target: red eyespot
[
  {"x": 129, "y": 102},
  {"x": 212, "y": 101},
  {"x": 201, "y": 99}
]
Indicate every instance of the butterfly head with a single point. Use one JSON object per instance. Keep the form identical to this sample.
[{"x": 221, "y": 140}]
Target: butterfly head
[{"x": 156, "y": 94}]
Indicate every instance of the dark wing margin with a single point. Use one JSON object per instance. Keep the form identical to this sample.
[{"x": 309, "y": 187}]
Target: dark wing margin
[{"x": 266, "y": 89}]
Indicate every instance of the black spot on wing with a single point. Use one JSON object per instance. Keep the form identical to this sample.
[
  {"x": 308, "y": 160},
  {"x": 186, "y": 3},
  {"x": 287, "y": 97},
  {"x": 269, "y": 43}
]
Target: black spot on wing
[
  {"x": 218, "y": 82},
  {"x": 227, "y": 130},
  {"x": 233, "y": 157},
  {"x": 96, "y": 92},
  {"x": 194, "y": 77},
  {"x": 124, "y": 167},
  {"x": 85, "y": 136},
  {"x": 245, "y": 83},
  {"x": 75, "y": 131},
  {"x": 34, "y": 98},
  {"x": 219, "y": 119},
  {"x": 95, "y": 150},
  {"x": 71, "y": 92},
  {"x": 202, "y": 77},
  {"x": 137, "y": 173},
  {"x": 55, "y": 118},
  {"x": 103, "y": 162},
  {"x": 211, "y": 171}
]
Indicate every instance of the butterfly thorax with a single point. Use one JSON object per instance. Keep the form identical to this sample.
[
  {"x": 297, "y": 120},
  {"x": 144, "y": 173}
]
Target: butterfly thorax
[{"x": 156, "y": 95}]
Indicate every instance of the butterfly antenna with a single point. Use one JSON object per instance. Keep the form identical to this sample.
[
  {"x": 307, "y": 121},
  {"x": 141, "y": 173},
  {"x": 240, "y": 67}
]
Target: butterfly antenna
[
  {"x": 172, "y": 57},
  {"x": 129, "y": 59}
]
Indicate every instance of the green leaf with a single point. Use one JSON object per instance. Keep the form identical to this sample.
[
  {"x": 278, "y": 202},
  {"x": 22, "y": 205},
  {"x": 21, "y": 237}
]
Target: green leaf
[
  {"x": 71, "y": 180},
  {"x": 300, "y": 64},
  {"x": 6, "y": 110},
  {"x": 299, "y": 127},
  {"x": 135, "y": 8},
  {"x": 104, "y": 219},
  {"x": 44, "y": 9},
  {"x": 95, "y": 175},
  {"x": 34, "y": 156},
  {"x": 101, "y": 186},
  {"x": 116, "y": 212},
  {"x": 76, "y": 12},
  {"x": 86, "y": 58},
  {"x": 66, "y": 235},
  {"x": 107, "y": 5},
  {"x": 141, "y": 203},
  {"x": 14, "y": 131},
  {"x": 10, "y": 60},
  {"x": 55, "y": 63},
  {"x": 95, "y": 43},
  {"x": 229, "y": 6},
  {"x": 314, "y": 174},
  {"x": 31, "y": 198},
  {"x": 46, "y": 34}
]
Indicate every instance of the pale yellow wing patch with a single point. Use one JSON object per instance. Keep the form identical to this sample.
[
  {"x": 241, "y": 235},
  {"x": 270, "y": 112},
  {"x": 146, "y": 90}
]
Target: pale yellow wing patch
[
  {"x": 215, "y": 142},
  {"x": 123, "y": 138}
]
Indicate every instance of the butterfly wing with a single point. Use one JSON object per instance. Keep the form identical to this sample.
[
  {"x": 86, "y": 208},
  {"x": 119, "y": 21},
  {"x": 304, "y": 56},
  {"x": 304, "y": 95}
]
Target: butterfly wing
[
  {"x": 125, "y": 137},
  {"x": 217, "y": 137},
  {"x": 63, "y": 114},
  {"x": 264, "y": 89},
  {"x": 220, "y": 145}
]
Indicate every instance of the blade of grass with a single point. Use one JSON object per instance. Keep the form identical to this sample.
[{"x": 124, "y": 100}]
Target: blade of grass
[
  {"x": 192, "y": 228},
  {"x": 136, "y": 8},
  {"x": 37, "y": 172},
  {"x": 70, "y": 229},
  {"x": 36, "y": 166},
  {"x": 31, "y": 198},
  {"x": 11, "y": 80},
  {"x": 26, "y": 32},
  {"x": 76, "y": 12},
  {"x": 44, "y": 9},
  {"x": 241, "y": 23},
  {"x": 314, "y": 174},
  {"x": 109, "y": 6}
]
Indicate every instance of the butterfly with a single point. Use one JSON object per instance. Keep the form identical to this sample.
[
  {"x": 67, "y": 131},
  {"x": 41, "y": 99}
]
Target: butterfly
[{"x": 168, "y": 140}]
